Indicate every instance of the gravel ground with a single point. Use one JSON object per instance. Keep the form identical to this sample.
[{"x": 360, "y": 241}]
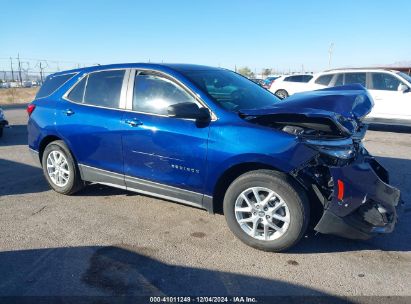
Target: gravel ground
[{"x": 105, "y": 241}]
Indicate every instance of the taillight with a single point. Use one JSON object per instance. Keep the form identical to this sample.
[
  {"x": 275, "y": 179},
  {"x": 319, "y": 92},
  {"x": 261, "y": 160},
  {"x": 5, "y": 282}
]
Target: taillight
[{"x": 30, "y": 108}]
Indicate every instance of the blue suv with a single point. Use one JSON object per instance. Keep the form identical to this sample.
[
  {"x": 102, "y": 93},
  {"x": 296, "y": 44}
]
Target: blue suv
[{"x": 210, "y": 138}]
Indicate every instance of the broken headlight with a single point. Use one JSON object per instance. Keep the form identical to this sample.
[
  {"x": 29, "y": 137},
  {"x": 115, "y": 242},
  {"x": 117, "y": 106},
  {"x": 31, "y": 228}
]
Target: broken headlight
[{"x": 334, "y": 152}]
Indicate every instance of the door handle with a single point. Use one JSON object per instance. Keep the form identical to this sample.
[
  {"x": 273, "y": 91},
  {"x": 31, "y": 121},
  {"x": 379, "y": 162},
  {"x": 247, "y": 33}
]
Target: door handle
[
  {"x": 133, "y": 122},
  {"x": 68, "y": 112}
]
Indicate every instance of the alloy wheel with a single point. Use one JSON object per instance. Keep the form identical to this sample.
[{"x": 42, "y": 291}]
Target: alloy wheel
[
  {"x": 262, "y": 213},
  {"x": 58, "y": 168}
]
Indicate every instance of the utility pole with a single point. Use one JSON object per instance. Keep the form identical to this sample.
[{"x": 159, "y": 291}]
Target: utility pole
[
  {"x": 19, "y": 65},
  {"x": 11, "y": 66},
  {"x": 330, "y": 54},
  {"x": 41, "y": 73}
]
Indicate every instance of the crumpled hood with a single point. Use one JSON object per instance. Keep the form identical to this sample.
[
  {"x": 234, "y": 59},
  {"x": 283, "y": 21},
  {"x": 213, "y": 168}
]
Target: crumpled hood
[{"x": 350, "y": 101}]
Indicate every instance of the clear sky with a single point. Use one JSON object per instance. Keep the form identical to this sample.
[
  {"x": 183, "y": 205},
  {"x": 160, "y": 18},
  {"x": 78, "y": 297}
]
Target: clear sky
[{"x": 261, "y": 33}]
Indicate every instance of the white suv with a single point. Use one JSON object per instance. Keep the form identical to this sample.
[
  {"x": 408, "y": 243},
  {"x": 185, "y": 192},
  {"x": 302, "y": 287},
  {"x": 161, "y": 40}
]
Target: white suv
[
  {"x": 391, "y": 91},
  {"x": 287, "y": 85}
]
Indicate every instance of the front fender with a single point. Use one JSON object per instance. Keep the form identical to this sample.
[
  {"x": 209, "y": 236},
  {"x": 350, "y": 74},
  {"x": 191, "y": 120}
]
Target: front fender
[{"x": 232, "y": 145}]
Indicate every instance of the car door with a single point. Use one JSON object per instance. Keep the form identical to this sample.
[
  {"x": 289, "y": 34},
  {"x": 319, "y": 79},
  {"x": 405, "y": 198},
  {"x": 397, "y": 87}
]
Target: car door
[
  {"x": 389, "y": 101},
  {"x": 89, "y": 118},
  {"x": 163, "y": 155}
]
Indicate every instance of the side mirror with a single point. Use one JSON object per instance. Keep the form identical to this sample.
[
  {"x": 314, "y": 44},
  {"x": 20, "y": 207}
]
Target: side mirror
[
  {"x": 403, "y": 88},
  {"x": 188, "y": 110}
]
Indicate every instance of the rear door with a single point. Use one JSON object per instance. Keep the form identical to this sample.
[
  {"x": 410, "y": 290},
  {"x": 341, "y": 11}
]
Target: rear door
[
  {"x": 89, "y": 118},
  {"x": 390, "y": 102},
  {"x": 162, "y": 154}
]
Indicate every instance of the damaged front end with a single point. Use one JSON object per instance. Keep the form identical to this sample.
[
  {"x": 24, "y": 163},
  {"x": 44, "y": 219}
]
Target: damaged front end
[{"x": 353, "y": 188}]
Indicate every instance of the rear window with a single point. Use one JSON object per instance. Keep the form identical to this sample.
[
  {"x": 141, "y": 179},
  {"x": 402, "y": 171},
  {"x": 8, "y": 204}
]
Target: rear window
[
  {"x": 324, "y": 79},
  {"x": 52, "y": 83}
]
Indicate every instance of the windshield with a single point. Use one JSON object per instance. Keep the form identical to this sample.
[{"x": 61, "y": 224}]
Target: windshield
[
  {"x": 232, "y": 91},
  {"x": 405, "y": 76}
]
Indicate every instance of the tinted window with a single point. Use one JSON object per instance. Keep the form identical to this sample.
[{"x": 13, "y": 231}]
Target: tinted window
[
  {"x": 77, "y": 92},
  {"x": 51, "y": 84},
  {"x": 340, "y": 80},
  {"x": 351, "y": 78},
  {"x": 153, "y": 94},
  {"x": 324, "y": 79},
  {"x": 405, "y": 76},
  {"x": 230, "y": 90},
  {"x": 383, "y": 81},
  {"x": 306, "y": 78},
  {"x": 104, "y": 88},
  {"x": 298, "y": 78}
]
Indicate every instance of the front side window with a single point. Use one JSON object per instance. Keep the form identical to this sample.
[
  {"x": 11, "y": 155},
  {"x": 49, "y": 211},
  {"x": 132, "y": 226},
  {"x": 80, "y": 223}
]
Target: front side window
[
  {"x": 324, "y": 79},
  {"x": 52, "y": 83},
  {"x": 104, "y": 88},
  {"x": 405, "y": 76},
  {"x": 154, "y": 94},
  {"x": 230, "y": 90},
  {"x": 351, "y": 78},
  {"x": 384, "y": 81}
]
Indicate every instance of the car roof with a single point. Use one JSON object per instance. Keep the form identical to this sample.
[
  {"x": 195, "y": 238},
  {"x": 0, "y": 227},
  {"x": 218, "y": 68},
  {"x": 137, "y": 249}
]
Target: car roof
[
  {"x": 179, "y": 67},
  {"x": 341, "y": 70}
]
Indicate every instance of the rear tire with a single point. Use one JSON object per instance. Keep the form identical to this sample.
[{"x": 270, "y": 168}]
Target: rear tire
[
  {"x": 1, "y": 131},
  {"x": 282, "y": 94},
  {"x": 276, "y": 220},
  {"x": 60, "y": 168}
]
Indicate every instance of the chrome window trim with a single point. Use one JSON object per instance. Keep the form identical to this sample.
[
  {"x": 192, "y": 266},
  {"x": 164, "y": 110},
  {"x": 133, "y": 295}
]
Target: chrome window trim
[
  {"x": 123, "y": 92},
  {"x": 72, "y": 73},
  {"x": 197, "y": 99}
]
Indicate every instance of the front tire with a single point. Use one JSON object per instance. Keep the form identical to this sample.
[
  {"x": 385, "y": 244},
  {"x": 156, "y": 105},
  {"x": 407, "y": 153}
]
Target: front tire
[
  {"x": 266, "y": 210},
  {"x": 60, "y": 168}
]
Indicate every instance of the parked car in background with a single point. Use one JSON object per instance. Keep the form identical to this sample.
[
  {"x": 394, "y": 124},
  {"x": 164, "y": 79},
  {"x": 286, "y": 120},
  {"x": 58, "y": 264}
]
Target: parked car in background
[
  {"x": 213, "y": 139},
  {"x": 27, "y": 84},
  {"x": 5, "y": 85},
  {"x": 3, "y": 122},
  {"x": 258, "y": 81},
  {"x": 268, "y": 81},
  {"x": 287, "y": 85},
  {"x": 390, "y": 90}
]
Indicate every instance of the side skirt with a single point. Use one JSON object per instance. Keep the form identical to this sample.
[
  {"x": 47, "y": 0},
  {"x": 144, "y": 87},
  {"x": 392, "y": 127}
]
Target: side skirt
[{"x": 146, "y": 187}]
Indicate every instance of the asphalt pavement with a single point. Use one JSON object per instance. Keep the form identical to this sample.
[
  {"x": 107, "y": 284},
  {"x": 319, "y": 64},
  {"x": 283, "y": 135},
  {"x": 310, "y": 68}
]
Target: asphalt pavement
[{"x": 110, "y": 242}]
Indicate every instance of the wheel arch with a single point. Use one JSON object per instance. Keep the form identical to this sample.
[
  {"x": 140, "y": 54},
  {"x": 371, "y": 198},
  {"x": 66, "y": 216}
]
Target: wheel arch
[
  {"x": 44, "y": 142},
  {"x": 229, "y": 175}
]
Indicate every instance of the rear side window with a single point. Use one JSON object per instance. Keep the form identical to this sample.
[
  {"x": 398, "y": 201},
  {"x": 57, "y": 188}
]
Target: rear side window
[
  {"x": 77, "y": 93},
  {"x": 383, "y": 81},
  {"x": 52, "y": 83},
  {"x": 153, "y": 94},
  {"x": 351, "y": 78},
  {"x": 298, "y": 78},
  {"x": 340, "y": 80},
  {"x": 104, "y": 88},
  {"x": 324, "y": 79},
  {"x": 306, "y": 78}
]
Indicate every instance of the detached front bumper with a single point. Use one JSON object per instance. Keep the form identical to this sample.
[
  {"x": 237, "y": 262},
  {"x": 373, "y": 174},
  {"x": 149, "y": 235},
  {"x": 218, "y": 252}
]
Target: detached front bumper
[{"x": 363, "y": 203}]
